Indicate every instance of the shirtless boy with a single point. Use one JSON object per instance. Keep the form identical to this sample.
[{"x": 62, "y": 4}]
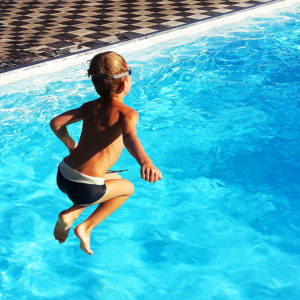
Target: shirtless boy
[{"x": 108, "y": 126}]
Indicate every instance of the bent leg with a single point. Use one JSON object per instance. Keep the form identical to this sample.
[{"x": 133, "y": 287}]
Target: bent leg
[
  {"x": 65, "y": 221},
  {"x": 117, "y": 192},
  {"x": 109, "y": 176}
]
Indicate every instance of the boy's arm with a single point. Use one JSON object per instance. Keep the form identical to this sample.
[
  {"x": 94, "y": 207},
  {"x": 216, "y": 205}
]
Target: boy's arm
[
  {"x": 59, "y": 126},
  {"x": 132, "y": 143}
]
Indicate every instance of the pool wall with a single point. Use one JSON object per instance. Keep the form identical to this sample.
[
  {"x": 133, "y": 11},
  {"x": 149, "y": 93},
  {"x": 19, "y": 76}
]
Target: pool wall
[{"x": 141, "y": 43}]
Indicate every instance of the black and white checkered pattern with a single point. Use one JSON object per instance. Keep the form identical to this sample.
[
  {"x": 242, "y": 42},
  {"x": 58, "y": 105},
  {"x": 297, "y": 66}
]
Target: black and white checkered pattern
[{"x": 33, "y": 30}]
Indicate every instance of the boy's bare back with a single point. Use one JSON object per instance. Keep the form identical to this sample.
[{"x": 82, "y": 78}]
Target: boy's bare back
[{"x": 101, "y": 140}]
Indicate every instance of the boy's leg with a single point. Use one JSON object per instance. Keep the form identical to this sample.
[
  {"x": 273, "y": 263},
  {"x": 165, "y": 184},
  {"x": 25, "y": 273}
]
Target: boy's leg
[
  {"x": 65, "y": 221},
  {"x": 67, "y": 217},
  {"x": 117, "y": 192},
  {"x": 109, "y": 176}
]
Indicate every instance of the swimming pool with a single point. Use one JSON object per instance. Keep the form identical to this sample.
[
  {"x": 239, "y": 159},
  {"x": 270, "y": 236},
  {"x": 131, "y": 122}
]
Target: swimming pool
[{"x": 219, "y": 115}]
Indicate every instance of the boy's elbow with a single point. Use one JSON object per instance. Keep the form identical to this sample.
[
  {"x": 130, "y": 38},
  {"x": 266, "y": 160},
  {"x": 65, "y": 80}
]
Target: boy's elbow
[{"x": 54, "y": 125}]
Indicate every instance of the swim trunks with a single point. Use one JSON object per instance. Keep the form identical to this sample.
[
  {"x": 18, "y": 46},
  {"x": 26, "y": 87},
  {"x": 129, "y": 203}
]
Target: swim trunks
[{"x": 80, "y": 188}]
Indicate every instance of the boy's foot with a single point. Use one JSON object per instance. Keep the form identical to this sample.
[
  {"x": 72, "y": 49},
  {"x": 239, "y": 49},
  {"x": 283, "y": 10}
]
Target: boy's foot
[
  {"x": 84, "y": 238},
  {"x": 61, "y": 229}
]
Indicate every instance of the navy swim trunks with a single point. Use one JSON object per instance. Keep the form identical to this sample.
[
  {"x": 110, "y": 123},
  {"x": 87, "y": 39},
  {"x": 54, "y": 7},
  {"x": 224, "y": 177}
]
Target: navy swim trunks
[{"x": 80, "y": 188}]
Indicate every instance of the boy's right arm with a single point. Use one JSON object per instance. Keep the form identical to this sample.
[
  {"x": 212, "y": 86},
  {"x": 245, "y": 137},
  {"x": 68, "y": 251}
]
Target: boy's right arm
[
  {"x": 59, "y": 126},
  {"x": 132, "y": 143}
]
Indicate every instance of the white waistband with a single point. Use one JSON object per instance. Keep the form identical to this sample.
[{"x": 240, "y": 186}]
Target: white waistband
[{"x": 73, "y": 175}]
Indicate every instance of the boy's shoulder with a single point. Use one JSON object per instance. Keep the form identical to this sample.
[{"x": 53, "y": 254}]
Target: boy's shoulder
[
  {"x": 126, "y": 110},
  {"x": 88, "y": 104},
  {"x": 128, "y": 114}
]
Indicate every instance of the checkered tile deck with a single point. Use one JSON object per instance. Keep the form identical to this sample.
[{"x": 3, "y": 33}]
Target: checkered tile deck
[{"x": 34, "y": 30}]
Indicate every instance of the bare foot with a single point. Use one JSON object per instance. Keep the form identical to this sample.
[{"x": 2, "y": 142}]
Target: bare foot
[
  {"x": 62, "y": 228},
  {"x": 84, "y": 238}
]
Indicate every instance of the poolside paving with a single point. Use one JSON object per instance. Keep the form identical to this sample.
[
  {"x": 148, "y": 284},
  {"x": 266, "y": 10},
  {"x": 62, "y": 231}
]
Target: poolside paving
[{"x": 36, "y": 30}]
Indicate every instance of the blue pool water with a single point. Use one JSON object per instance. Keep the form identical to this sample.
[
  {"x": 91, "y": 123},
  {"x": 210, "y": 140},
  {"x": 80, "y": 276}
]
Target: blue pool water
[{"x": 219, "y": 115}]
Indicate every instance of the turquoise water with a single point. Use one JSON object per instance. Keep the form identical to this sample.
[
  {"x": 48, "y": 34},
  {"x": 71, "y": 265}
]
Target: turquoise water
[{"x": 219, "y": 115}]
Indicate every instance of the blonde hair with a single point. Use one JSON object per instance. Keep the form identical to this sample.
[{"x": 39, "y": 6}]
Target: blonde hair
[{"x": 103, "y": 67}]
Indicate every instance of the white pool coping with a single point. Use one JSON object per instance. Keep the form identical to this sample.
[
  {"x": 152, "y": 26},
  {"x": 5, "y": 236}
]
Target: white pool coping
[{"x": 54, "y": 65}]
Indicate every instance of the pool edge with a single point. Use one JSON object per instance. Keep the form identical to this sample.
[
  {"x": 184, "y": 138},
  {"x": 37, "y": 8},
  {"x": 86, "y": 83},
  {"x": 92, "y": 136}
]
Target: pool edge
[{"x": 57, "y": 64}]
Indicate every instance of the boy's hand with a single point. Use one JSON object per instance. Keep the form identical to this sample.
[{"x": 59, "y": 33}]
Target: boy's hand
[{"x": 149, "y": 172}]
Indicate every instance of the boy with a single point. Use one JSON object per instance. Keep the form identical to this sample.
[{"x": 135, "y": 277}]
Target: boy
[{"x": 108, "y": 125}]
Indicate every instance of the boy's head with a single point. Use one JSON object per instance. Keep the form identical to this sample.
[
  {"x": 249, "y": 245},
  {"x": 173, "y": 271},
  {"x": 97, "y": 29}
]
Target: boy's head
[{"x": 108, "y": 71}]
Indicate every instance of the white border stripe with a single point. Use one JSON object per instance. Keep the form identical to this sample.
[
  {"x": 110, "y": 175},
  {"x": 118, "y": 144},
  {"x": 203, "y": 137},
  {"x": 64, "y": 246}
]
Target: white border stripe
[{"x": 141, "y": 43}]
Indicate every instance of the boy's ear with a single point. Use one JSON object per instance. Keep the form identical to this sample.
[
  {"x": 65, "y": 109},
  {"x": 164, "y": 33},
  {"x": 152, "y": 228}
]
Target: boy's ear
[{"x": 122, "y": 85}]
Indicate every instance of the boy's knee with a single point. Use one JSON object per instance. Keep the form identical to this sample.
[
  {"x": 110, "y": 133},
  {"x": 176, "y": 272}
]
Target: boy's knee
[
  {"x": 109, "y": 176},
  {"x": 118, "y": 176},
  {"x": 130, "y": 188}
]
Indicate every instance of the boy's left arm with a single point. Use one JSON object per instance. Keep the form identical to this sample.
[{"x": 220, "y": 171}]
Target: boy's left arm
[
  {"x": 59, "y": 126},
  {"x": 149, "y": 171}
]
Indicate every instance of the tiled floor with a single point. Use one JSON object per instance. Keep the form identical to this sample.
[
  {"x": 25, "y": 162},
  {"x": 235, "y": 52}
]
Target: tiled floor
[{"x": 35, "y": 30}]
